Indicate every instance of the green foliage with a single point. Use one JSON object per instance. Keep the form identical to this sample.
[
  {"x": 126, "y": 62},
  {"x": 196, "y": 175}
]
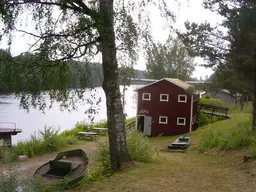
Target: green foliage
[
  {"x": 46, "y": 141},
  {"x": 225, "y": 77},
  {"x": 213, "y": 101},
  {"x": 9, "y": 180},
  {"x": 236, "y": 137},
  {"x": 205, "y": 119},
  {"x": 169, "y": 60},
  {"x": 140, "y": 149},
  {"x": 237, "y": 108},
  {"x": 232, "y": 51}
]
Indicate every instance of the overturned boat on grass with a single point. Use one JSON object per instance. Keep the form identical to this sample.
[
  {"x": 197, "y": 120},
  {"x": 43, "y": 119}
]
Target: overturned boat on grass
[{"x": 69, "y": 166}]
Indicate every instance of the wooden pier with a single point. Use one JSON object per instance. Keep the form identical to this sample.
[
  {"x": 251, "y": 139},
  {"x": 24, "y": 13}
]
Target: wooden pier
[
  {"x": 7, "y": 130},
  {"x": 214, "y": 110}
]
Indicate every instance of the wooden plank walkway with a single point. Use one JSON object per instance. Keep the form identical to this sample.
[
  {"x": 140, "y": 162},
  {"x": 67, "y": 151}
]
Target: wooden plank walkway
[
  {"x": 215, "y": 114},
  {"x": 214, "y": 110}
]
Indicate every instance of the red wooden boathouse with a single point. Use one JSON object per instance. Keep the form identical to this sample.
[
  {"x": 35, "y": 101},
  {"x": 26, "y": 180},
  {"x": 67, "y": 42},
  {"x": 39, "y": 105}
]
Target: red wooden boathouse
[{"x": 167, "y": 106}]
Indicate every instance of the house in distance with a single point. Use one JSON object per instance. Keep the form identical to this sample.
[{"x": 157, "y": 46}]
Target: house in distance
[{"x": 168, "y": 107}]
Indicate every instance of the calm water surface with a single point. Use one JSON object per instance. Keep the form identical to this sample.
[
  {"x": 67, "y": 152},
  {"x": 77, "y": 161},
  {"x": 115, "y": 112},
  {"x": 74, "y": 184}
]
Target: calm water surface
[{"x": 36, "y": 120}]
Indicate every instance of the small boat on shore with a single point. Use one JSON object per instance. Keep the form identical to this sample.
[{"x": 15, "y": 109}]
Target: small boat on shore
[
  {"x": 180, "y": 143},
  {"x": 69, "y": 165}
]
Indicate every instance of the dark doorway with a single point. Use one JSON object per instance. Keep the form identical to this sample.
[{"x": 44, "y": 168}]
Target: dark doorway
[{"x": 140, "y": 123}]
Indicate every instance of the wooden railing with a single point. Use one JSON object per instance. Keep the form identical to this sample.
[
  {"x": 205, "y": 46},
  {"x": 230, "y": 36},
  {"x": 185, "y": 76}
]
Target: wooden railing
[
  {"x": 131, "y": 125},
  {"x": 213, "y": 108}
]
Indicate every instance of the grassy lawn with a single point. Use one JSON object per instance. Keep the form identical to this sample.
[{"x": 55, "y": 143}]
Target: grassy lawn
[
  {"x": 177, "y": 172},
  {"x": 216, "y": 170}
]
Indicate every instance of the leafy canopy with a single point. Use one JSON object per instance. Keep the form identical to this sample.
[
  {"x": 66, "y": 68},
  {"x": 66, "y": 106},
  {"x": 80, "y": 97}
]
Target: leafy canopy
[
  {"x": 69, "y": 29},
  {"x": 169, "y": 60},
  {"x": 228, "y": 47}
]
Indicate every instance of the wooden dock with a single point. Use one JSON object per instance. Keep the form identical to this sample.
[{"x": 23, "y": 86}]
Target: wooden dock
[
  {"x": 8, "y": 129},
  {"x": 214, "y": 110}
]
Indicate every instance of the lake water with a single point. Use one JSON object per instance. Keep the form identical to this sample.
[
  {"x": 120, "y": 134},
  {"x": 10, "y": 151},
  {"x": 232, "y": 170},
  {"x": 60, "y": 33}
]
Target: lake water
[{"x": 36, "y": 120}]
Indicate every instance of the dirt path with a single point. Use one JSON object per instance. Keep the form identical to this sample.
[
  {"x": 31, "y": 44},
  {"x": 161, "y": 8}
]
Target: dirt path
[{"x": 27, "y": 168}]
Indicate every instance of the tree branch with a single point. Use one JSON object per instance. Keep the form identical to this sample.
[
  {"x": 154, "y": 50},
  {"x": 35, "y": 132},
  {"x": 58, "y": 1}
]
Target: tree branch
[
  {"x": 75, "y": 50},
  {"x": 47, "y": 35},
  {"x": 83, "y": 9}
]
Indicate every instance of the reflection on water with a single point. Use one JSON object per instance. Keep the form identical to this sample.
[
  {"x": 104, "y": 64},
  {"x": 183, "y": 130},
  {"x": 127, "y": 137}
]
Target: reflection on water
[{"x": 36, "y": 120}]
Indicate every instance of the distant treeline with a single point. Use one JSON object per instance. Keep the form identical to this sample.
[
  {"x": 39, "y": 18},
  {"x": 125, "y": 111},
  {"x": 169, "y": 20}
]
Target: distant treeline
[
  {"x": 94, "y": 74},
  {"x": 35, "y": 72}
]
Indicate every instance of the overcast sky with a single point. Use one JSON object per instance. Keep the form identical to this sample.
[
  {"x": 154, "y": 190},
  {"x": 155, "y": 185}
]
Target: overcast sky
[{"x": 191, "y": 10}]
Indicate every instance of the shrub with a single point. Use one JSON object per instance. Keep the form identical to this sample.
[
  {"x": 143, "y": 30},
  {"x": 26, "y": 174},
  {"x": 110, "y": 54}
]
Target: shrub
[
  {"x": 205, "y": 119},
  {"x": 139, "y": 147},
  {"x": 8, "y": 180}
]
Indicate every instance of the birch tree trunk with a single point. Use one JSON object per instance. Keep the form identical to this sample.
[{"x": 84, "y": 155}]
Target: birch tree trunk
[
  {"x": 117, "y": 136},
  {"x": 254, "y": 100}
]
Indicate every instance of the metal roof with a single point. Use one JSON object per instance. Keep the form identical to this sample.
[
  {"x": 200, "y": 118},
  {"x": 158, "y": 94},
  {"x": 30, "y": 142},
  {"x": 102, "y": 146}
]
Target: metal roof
[{"x": 177, "y": 82}]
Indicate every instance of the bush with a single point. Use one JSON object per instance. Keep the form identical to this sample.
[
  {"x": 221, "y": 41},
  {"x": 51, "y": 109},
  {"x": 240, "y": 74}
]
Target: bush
[
  {"x": 139, "y": 147},
  {"x": 205, "y": 119},
  {"x": 238, "y": 137},
  {"x": 10, "y": 182},
  {"x": 213, "y": 101}
]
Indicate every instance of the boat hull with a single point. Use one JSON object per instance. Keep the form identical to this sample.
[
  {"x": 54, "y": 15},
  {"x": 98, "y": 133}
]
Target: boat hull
[
  {"x": 180, "y": 143},
  {"x": 68, "y": 166}
]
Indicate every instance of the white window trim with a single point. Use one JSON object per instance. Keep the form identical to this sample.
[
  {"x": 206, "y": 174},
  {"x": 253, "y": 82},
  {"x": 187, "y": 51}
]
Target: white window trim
[
  {"x": 164, "y": 99},
  {"x": 160, "y": 122},
  {"x": 178, "y": 118},
  {"x": 145, "y": 99},
  {"x": 181, "y": 101}
]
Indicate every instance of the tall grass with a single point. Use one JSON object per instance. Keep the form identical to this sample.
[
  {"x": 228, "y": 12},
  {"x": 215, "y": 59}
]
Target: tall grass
[
  {"x": 238, "y": 136},
  {"x": 139, "y": 147},
  {"x": 47, "y": 140}
]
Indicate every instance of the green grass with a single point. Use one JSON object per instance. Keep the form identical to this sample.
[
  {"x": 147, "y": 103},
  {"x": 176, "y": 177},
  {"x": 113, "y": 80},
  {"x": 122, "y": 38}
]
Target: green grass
[
  {"x": 237, "y": 108},
  {"x": 234, "y": 133}
]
